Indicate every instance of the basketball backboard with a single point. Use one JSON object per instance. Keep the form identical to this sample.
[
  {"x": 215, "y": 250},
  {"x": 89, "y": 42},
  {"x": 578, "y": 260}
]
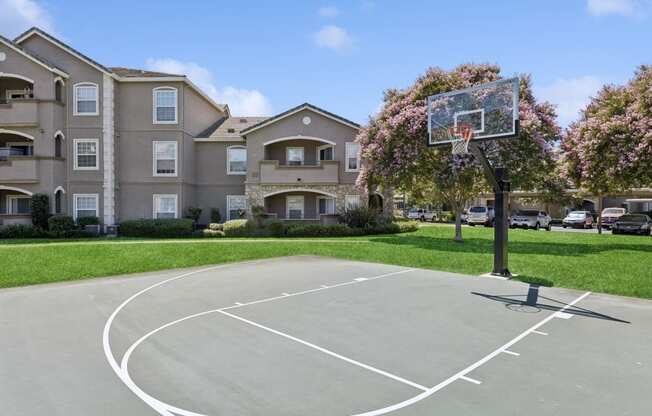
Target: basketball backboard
[{"x": 491, "y": 111}]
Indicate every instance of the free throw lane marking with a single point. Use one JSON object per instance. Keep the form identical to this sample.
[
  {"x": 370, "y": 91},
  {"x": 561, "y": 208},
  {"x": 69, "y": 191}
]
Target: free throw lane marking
[
  {"x": 328, "y": 352},
  {"x": 468, "y": 369},
  {"x": 470, "y": 380}
]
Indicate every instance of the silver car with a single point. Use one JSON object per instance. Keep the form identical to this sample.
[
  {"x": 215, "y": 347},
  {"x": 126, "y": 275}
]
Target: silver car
[
  {"x": 530, "y": 218},
  {"x": 582, "y": 219},
  {"x": 480, "y": 215}
]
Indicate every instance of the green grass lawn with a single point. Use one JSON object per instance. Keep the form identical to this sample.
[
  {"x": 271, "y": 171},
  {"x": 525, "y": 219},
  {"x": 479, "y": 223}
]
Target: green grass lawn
[{"x": 602, "y": 263}]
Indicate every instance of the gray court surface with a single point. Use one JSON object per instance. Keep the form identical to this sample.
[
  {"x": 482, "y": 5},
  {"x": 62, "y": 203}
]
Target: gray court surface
[{"x": 318, "y": 336}]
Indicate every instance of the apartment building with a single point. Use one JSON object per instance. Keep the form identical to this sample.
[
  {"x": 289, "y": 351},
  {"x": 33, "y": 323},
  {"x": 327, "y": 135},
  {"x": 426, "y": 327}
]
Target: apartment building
[{"x": 121, "y": 143}]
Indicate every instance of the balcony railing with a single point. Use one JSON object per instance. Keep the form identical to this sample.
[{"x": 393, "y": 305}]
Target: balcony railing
[
  {"x": 19, "y": 169},
  {"x": 273, "y": 173},
  {"x": 23, "y": 112}
]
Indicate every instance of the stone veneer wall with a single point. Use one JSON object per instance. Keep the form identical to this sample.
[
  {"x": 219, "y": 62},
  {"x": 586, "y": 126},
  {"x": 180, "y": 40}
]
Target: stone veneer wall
[{"x": 256, "y": 193}]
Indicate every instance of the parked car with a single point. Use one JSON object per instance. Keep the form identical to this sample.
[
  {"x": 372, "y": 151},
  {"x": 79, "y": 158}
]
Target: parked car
[
  {"x": 480, "y": 215},
  {"x": 530, "y": 218},
  {"x": 610, "y": 215},
  {"x": 633, "y": 224},
  {"x": 422, "y": 214},
  {"x": 582, "y": 219}
]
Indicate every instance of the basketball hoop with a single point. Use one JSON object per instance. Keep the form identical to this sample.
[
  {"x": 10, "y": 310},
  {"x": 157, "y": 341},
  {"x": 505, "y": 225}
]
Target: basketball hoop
[{"x": 460, "y": 136}]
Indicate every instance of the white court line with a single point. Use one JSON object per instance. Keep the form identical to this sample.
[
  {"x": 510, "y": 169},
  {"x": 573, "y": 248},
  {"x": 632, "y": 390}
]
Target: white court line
[
  {"x": 563, "y": 315},
  {"x": 468, "y": 369},
  {"x": 511, "y": 353},
  {"x": 543, "y": 333},
  {"x": 328, "y": 352},
  {"x": 470, "y": 380},
  {"x": 165, "y": 409}
]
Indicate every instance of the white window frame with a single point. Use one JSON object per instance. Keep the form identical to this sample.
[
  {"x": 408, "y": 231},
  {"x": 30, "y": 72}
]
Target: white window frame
[
  {"x": 176, "y": 105},
  {"x": 12, "y": 197},
  {"x": 287, "y": 155},
  {"x": 319, "y": 198},
  {"x": 155, "y": 160},
  {"x": 228, "y": 205},
  {"x": 348, "y": 155},
  {"x": 322, "y": 147},
  {"x": 97, "y": 154},
  {"x": 155, "y": 199},
  {"x": 287, "y": 206},
  {"x": 75, "y": 197},
  {"x": 75, "y": 111},
  {"x": 348, "y": 198},
  {"x": 228, "y": 160}
]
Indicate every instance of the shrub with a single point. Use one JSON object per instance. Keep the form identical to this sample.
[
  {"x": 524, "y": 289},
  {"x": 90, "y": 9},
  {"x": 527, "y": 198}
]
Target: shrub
[
  {"x": 215, "y": 215},
  {"x": 61, "y": 225},
  {"x": 216, "y": 226},
  {"x": 236, "y": 228},
  {"x": 361, "y": 217},
  {"x": 84, "y": 221},
  {"x": 275, "y": 228},
  {"x": 40, "y": 206},
  {"x": 194, "y": 213},
  {"x": 157, "y": 228},
  {"x": 212, "y": 233},
  {"x": 21, "y": 231}
]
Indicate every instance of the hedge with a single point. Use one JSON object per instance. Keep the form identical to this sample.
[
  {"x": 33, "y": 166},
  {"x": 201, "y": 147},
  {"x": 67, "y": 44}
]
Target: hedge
[
  {"x": 237, "y": 228},
  {"x": 28, "y": 231},
  {"x": 162, "y": 228}
]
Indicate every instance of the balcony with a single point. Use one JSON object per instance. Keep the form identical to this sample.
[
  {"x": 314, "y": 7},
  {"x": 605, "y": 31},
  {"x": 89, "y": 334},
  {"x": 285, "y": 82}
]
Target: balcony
[
  {"x": 271, "y": 172},
  {"x": 19, "y": 113},
  {"x": 19, "y": 169}
]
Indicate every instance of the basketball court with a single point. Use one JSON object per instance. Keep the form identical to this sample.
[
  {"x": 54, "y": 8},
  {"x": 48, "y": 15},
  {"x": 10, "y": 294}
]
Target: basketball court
[{"x": 320, "y": 336}]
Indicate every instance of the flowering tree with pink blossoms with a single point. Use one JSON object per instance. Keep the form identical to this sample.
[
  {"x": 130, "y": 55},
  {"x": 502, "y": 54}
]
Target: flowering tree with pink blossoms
[
  {"x": 609, "y": 148},
  {"x": 393, "y": 144}
]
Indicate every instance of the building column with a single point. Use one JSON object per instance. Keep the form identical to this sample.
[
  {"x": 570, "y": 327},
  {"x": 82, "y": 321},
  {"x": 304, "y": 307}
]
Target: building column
[{"x": 108, "y": 146}]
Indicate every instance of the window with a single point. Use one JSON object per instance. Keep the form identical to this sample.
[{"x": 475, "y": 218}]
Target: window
[
  {"x": 86, "y": 154},
  {"x": 85, "y": 100},
  {"x": 58, "y": 202},
  {"x": 165, "y": 206},
  {"x": 295, "y": 156},
  {"x": 58, "y": 145},
  {"x": 19, "y": 204},
  {"x": 352, "y": 157},
  {"x": 165, "y": 158},
  {"x": 325, "y": 152},
  {"x": 85, "y": 205},
  {"x": 351, "y": 201},
  {"x": 236, "y": 206},
  {"x": 58, "y": 90},
  {"x": 165, "y": 105},
  {"x": 236, "y": 160},
  {"x": 325, "y": 205},
  {"x": 294, "y": 205}
]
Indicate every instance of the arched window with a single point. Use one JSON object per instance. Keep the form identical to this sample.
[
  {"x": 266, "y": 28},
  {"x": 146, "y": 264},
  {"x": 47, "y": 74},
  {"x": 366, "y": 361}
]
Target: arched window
[
  {"x": 58, "y": 144},
  {"x": 59, "y": 195},
  {"x": 86, "y": 99},
  {"x": 58, "y": 90},
  {"x": 236, "y": 160},
  {"x": 165, "y": 105}
]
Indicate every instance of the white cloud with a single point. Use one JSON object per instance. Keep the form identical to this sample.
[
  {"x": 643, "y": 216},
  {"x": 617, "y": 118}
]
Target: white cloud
[
  {"x": 16, "y": 16},
  {"x": 333, "y": 37},
  {"x": 329, "y": 11},
  {"x": 242, "y": 102},
  {"x": 617, "y": 7},
  {"x": 570, "y": 95}
]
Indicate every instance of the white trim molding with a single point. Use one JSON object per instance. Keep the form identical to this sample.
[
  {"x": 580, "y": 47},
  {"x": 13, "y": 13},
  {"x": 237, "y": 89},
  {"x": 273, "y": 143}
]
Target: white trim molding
[
  {"x": 155, "y": 159},
  {"x": 75, "y": 154},
  {"x": 298, "y": 109},
  {"x": 155, "y": 205},
  {"x": 108, "y": 148},
  {"x": 313, "y": 191},
  {"x": 75, "y": 197},
  {"x": 17, "y": 133},
  {"x": 11, "y": 188},
  {"x": 315, "y": 139},
  {"x": 59, "y": 189},
  {"x": 33, "y": 59},
  {"x": 10, "y": 75},
  {"x": 59, "y": 133},
  {"x": 228, "y": 160},
  {"x": 155, "y": 91},
  {"x": 75, "y": 110}
]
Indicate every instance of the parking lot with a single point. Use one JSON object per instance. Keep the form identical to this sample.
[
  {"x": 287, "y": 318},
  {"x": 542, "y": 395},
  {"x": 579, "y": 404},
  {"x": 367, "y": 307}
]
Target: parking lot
[{"x": 319, "y": 336}]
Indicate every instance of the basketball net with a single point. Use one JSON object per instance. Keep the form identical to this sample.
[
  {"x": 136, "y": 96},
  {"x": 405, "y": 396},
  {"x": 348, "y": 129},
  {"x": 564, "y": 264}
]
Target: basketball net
[{"x": 460, "y": 136}]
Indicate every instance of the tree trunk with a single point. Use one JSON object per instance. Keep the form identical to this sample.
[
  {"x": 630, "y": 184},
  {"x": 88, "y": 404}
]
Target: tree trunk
[{"x": 458, "y": 224}]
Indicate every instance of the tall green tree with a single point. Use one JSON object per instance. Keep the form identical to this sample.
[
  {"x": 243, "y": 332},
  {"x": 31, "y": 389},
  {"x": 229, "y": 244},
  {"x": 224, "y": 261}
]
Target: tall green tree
[{"x": 393, "y": 144}]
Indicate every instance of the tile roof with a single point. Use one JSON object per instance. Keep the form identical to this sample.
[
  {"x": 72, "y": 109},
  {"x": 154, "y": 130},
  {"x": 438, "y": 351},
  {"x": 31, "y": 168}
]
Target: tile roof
[
  {"x": 295, "y": 109},
  {"x": 138, "y": 73},
  {"x": 228, "y": 129}
]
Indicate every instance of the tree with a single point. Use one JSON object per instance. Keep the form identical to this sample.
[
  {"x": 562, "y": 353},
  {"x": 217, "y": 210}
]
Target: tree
[
  {"x": 609, "y": 148},
  {"x": 393, "y": 144},
  {"x": 40, "y": 207}
]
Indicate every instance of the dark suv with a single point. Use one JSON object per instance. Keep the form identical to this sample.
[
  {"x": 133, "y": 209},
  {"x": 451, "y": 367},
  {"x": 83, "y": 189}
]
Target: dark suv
[{"x": 632, "y": 224}]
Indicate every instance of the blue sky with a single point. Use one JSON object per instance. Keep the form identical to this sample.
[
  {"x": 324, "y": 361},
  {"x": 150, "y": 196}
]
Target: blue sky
[{"x": 264, "y": 56}]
